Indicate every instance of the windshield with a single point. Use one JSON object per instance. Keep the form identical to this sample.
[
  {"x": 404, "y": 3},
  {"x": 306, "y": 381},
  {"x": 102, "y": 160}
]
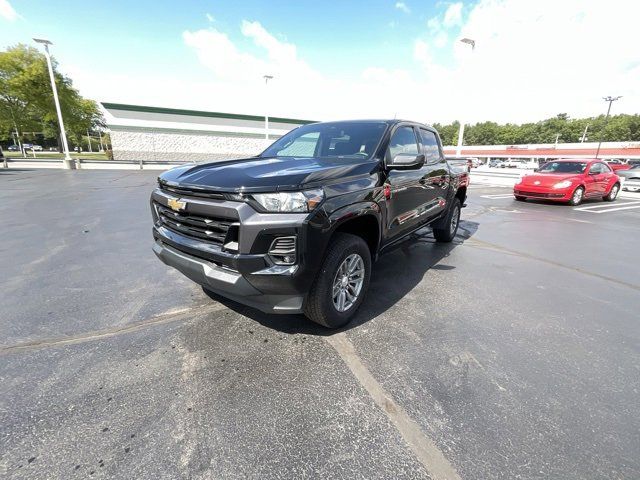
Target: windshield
[
  {"x": 336, "y": 139},
  {"x": 563, "y": 167}
]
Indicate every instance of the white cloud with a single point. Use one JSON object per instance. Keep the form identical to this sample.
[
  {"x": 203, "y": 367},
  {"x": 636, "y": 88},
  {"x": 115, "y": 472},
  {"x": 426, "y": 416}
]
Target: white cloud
[
  {"x": 7, "y": 12},
  {"x": 453, "y": 15},
  {"x": 403, "y": 6},
  {"x": 541, "y": 58},
  {"x": 434, "y": 24}
]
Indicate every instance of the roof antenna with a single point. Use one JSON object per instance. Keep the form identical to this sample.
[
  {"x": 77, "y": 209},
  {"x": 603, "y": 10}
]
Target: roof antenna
[{"x": 395, "y": 115}]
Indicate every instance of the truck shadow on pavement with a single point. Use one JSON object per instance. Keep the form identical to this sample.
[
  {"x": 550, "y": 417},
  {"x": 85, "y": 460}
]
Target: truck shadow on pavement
[{"x": 394, "y": 275}]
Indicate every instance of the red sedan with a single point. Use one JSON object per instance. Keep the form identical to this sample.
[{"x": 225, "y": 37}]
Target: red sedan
[{"x": 569, "y": 181}]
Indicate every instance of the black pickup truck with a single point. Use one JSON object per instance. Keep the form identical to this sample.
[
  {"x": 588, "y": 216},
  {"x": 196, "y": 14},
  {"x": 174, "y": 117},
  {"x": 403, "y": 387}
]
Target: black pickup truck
[{"x": 297, "y": 228}]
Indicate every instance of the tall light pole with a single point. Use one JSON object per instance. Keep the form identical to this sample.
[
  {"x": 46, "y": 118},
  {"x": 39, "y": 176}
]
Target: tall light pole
[
  {"x": 68, "y": 161},
  {"x": 609, "y": 99},
  {"x": 471, "y": 42},
  {"x": 584, "y": 134},
  {"x": 266, "y": 114}
]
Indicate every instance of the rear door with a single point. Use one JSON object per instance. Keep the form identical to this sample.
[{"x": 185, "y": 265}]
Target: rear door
[{"x": 436, "y": 177}]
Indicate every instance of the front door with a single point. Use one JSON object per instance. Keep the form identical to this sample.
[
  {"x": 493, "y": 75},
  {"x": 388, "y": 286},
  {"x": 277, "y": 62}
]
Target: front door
[
  {"x": 596, "y": 180},
  {"x": 404, "y": 202}
]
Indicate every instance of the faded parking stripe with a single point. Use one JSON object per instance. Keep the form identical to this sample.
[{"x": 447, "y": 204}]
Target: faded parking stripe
[{"x": 423, "y": 447}]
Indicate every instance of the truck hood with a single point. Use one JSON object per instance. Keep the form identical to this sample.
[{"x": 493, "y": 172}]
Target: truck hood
[{"x": 267, "y": 174}]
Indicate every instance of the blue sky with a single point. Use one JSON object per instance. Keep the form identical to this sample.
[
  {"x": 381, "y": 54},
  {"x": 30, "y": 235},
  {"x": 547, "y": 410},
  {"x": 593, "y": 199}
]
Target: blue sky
[
  {"x": 142, "y": 35},
  {"x": 343, "y": 58}
]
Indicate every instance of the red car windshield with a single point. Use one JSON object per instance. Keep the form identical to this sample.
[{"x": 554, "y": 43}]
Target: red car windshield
[{"x": 563, "y": 167}]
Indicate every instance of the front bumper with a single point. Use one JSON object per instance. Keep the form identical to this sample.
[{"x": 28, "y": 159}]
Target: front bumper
[
  {"x": 228, "y": 283},
  {"x": 543, "y": 193},
  {"x": 246, "y": 274}
]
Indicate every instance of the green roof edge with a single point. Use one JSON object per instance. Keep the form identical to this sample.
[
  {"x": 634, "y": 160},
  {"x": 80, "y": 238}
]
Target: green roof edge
[{"x": 199, "y": 113}]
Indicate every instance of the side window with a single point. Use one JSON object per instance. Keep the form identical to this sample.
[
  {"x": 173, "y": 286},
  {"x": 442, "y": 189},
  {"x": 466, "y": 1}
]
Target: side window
[
  {"x": 596, "y": 168},
  {"x": 430, "y": 146},
  {"x": 605, "y": 168},
  {"x": 403, "y": 141},
  {"x": 303, "y": 146}
]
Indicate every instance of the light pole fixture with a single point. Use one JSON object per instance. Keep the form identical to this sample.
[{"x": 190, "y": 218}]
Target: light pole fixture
[
  {"x": 266, "y": 114},
  {"x": 67, "y": 161},
  {"x": 467, "y": 41},
  {"x": 609, "y": 99}
]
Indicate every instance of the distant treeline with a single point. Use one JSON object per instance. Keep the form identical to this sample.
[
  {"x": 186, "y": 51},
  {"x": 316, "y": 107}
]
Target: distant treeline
[{"x": 618, "y": 128}]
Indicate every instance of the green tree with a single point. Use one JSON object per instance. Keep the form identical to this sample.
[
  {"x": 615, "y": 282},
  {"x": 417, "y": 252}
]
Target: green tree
[{"x": 26, "y": 100}]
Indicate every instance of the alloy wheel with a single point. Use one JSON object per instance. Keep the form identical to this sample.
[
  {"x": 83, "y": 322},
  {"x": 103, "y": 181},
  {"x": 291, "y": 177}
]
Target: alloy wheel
[{"x": 347, "y": 283}]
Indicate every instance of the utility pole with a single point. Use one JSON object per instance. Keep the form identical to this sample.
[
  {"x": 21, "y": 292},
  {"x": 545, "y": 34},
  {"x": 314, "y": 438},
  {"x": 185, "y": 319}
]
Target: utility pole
[
  {"x": 68, "y": 161},
  {"x": 467, "y": 41},
  {"x": 609, "y": 99},
  {"x": 266, "y": 114}
]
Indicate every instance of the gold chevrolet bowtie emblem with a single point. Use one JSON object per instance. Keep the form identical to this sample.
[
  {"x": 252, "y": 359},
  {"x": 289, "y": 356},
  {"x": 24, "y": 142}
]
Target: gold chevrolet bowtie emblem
[{"x": 176, "y": 204}]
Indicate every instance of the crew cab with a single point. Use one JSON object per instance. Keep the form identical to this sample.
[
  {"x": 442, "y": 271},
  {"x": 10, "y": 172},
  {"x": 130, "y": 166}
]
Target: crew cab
[{"x": 297, "y": 228}]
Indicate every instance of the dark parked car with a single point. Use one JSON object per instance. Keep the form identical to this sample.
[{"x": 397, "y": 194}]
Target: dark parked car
[
  {"x": 297, "y": 228},
  {"x": 13, "y": 148}
]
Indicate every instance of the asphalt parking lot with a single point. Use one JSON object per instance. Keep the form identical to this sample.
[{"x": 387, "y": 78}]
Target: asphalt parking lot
[{"x": 512, "y": 353}]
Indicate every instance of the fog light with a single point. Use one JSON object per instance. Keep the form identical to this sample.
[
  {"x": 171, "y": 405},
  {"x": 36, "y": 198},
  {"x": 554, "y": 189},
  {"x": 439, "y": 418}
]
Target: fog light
[{"x": 283, "y": 250}]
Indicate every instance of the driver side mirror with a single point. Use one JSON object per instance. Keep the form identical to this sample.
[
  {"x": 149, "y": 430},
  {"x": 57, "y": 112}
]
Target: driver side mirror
[{"x": 406, "y": 161}]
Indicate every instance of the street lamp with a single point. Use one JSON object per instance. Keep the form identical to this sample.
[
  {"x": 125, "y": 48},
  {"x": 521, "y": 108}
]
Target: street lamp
[
  {"x": 68, "y": 161},
  {"x": 266, "y": 115},
  {"x": 467, "y": 41},
  {"x": 609, "y": 99}
]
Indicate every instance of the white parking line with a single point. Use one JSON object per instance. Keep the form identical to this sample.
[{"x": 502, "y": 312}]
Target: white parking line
[
  {"x": 607, "y": 207},
  {"x": 498, "y": 196}
]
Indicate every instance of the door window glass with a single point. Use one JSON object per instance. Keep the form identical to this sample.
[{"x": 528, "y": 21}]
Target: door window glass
[
  {"x": 596, "y": 169},
  {"x": 403, "y": 141},
  {"x": 430, "y": 146}
]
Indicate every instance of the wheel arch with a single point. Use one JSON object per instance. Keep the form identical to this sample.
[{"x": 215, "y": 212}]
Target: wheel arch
[{"x": 363, "y": 220}]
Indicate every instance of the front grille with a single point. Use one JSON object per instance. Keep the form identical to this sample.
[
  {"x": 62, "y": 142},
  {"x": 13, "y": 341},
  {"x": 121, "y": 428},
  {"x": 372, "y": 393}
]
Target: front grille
[
  {"x": 539, "y": 195},
  {"x": 192, "y": 192},
  {"x": 203, "y": 228}
]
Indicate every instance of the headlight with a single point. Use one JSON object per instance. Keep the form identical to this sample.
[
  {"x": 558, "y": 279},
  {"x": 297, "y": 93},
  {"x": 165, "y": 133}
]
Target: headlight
[
  {"x": 563, "y": 184},
  {"x": 290, "y": 201}
]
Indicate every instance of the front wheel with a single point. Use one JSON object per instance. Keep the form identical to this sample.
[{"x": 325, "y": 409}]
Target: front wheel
[
  {"x": 520, "y": 198},
  {"x": 446, "y": 231},
  {"x": 613, "y": 193},
  {"x": 341, "y": 283},
  {"x": 577, "y": 196}
]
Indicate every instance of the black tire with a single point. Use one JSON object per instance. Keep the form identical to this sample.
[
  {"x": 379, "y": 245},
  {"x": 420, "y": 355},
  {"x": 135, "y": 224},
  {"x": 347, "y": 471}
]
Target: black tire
[
  {"x": 445, "y": 230},
  {"x": 319, "y": 306},
  {"x": 613, "y": 193},
  {"x": 520, "y": 198},
  {"x": 575, "y": 198}
]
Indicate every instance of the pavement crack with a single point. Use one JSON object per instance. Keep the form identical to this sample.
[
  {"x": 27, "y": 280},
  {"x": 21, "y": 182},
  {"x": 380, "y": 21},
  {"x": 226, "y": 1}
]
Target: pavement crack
[
  {"x": 423, "y": 447},
  {"x": 167, "y": 317}
]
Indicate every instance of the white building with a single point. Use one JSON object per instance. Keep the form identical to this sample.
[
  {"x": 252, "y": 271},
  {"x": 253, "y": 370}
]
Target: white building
[{"x": 167, "y": 134}]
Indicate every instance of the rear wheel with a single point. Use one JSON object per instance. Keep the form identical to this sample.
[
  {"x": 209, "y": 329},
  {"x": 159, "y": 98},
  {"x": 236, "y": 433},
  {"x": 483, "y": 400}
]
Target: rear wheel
[
  {"x": 613, "y": 193},
  {"x": 446, "y": 231},
  {"x": 577, "y": 196},
  {"x": 341, "y": 283}
]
